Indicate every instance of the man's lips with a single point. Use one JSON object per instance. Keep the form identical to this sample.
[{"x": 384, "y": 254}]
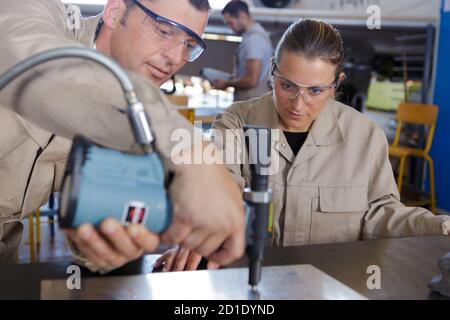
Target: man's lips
[{"x": 157, "y": 72}]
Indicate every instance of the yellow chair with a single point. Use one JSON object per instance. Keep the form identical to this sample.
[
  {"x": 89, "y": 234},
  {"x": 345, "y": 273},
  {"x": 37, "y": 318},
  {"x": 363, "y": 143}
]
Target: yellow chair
[
  {"x": 181, "y": 102},
  {"x": 31, "y": 236},
  {"x": 188, "y": 113},
  {"x": 51, "y": 214},
  {"x": 421, "y": 114}
]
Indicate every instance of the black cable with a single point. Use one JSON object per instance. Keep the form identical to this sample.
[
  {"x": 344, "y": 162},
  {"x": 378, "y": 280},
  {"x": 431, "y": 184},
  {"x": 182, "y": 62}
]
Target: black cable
[
  {"x": 136, "y": 113},
  {"x": 60, "y": 53}
]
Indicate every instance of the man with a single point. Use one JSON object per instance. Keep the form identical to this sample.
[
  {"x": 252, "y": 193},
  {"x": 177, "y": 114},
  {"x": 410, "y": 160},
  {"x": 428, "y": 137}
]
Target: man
[
  {"x": 43, "y": 109},
  {"x": 252, "y": 59}
]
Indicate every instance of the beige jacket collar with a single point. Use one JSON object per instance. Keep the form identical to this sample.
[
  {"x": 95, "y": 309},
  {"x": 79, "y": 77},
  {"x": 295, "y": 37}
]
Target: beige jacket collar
[
  {"x": 87, "y": 31},
  {"x": 325, "y": 130}
]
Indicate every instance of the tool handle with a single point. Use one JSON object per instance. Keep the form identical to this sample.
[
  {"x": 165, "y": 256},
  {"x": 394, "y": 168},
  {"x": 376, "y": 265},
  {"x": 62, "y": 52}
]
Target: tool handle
[
  {"x": 258, "y": 196},
  {"x": 256, "y": 249}
]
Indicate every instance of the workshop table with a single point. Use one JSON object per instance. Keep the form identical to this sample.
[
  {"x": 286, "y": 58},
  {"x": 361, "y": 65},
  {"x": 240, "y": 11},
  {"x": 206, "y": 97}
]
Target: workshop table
[{"x": 407, "y": 265}]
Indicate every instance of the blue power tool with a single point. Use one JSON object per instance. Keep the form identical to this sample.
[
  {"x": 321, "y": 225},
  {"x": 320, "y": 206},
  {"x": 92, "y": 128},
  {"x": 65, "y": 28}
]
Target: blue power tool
[{"x": 101, "y": 182}]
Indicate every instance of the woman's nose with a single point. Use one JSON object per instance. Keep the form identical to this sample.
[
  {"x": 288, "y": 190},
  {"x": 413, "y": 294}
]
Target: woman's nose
[{"x": 299, "y": 103}]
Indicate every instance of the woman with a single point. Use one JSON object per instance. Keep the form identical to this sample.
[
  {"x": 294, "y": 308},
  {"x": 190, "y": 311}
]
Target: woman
[{"x": 335, "y": 181}]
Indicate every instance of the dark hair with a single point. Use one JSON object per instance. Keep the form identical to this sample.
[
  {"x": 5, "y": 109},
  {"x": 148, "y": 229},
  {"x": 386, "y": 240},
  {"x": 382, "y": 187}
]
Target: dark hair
[
  {"x": 312, "y": 39},
  {"x": 200, "y": 5},
  {"x": 234, "y": 7}
]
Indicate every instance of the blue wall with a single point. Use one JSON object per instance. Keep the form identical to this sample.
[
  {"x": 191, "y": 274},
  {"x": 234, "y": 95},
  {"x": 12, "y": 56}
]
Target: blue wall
[{"x": 440, "y": 151}]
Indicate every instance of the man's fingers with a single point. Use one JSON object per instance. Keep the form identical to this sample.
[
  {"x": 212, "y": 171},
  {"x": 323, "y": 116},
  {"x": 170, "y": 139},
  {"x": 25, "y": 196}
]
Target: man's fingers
[
  {"x": 91, "y": 239},
  {"x": 210, "y": 245},
  {"x": 86, "y": 251},
  {"x": 195, "y": 239},
  {"x": 144, "y": 239},
  {"x": 176, "y": 233},
  {"x": 113, "y": 245},
  {"x": 232, "y": 249},
  {"x": 90, "y": 255},
  {"x": 120, "y": 239}
]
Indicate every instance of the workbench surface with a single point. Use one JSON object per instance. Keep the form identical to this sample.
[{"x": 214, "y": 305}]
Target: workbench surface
[{"x": 406, "y": 266}]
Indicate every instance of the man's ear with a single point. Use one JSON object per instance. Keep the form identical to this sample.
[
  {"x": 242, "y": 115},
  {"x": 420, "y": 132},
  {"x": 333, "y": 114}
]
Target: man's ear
[
  {"x": 242, "y": 16},
  {"x": 113, "y": 13}
]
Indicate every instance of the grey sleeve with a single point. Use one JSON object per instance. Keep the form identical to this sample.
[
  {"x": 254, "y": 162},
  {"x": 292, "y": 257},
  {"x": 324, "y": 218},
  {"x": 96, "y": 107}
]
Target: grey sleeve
[{"x": 255, "y": 47}]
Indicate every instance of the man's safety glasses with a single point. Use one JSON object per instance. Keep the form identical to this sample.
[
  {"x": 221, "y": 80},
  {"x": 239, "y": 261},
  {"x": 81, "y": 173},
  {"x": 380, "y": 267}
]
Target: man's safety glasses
[{"x": 168, "y": 34}]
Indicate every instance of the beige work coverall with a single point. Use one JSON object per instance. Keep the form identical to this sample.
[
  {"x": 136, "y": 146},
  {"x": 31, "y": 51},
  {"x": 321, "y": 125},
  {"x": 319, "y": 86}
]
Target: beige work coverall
[
  {"x": 43, "y": 109},
  {"x": 340, "y": 186}
]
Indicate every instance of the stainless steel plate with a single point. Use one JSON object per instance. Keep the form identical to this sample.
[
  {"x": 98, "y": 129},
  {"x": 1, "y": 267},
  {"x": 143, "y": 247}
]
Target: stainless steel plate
[{"x": 294, "y": 282}]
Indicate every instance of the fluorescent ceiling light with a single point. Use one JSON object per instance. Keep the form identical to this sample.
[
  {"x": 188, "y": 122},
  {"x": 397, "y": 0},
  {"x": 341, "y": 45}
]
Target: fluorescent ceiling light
[{"x": 221, "y": 37}]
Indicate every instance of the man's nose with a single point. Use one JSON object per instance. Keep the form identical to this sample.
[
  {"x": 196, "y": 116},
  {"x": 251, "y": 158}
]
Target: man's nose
[{"x": 175, "y": 54}]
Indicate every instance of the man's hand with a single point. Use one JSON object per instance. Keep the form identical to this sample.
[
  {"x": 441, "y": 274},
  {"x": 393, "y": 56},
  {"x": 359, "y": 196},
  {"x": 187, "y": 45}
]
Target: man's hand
[
  {"x": 208, "y": 213},
  {"x": 113, "y": 245},
  {"x": 219, "y": 84},
  {"x": 180, "y": 259}
]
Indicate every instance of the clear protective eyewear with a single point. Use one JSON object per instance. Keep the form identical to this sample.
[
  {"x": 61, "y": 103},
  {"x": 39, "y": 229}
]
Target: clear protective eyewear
[
  {"x": 291, "y": 90},
  {"x": 168, "y": 34}
]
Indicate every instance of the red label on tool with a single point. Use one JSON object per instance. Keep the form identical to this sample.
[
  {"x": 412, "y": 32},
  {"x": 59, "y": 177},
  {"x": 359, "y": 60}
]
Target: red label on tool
[{"x": 134, "y": 212}]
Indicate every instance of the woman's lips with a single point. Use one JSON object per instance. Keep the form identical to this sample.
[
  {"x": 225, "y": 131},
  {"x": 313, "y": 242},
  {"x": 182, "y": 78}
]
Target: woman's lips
[{"x": 296, "y": 115}]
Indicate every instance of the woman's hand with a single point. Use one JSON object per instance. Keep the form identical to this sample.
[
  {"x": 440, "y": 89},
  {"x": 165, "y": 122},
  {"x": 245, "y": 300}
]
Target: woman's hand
[{"x": 179, "y": 259}]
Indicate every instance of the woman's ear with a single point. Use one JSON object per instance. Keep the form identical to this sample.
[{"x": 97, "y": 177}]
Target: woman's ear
[
  {"x": 342, "y": 77},
  {"x": 113, "y": 13},
  {"x": 272, "y": 69}
]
